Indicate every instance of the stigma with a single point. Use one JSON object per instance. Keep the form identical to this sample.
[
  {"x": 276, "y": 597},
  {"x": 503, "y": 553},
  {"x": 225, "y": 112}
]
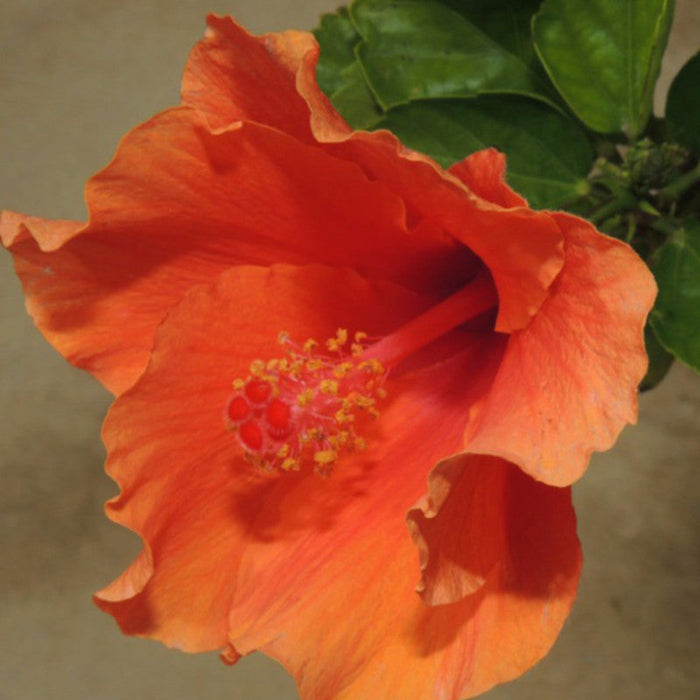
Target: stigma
[{"x": 304, "y": 409}]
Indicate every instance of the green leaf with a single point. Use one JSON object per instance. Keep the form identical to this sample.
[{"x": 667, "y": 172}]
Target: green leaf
[
  {"x": 337, "y": 38},
  {"x": 339, "y": 74},
  {"x": 683, "y": 106},
  {"x": 604, "y": 57},
  {"x": 421, "y": 49},
  {"x": 354, "y": 100},
  {"x": 548, "y": 154},
  {"x": 676, "y": 315},
  {"x": 507, "y": 22},
  {"x": 660, "y": 360}
]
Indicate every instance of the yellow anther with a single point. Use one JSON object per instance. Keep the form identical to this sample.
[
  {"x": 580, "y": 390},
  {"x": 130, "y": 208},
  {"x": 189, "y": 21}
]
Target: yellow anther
[
  {"x": 257, "y": 461},
  {"x": 342, "y": 415},
  {"x": 326, "y": 388},
  {"x": 296, "y": 368},
  {"x": 329, "y": 386},
  {"x": 325, "y": 457},
  {"x": 372, "y": 365},
  {"x": 341, "y": 335},
  {"x": 283, "y": 451},
  {"x": 305, "y": 397},
  {"x": 340, "y": 439},
  {"x": 362, "y": 401},
  {"x": 342, "y": 369},
  {"x": 336, "y": 344},
  {"x": 257, "y": 367}
]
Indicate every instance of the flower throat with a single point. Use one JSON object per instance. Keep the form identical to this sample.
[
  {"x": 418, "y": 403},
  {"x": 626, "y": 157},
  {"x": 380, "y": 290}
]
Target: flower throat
[{"x": 307, "y": 407}]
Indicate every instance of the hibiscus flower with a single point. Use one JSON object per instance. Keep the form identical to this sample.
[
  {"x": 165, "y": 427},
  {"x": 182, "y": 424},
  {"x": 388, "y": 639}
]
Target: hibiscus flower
[{"x": 315, "y": 337}]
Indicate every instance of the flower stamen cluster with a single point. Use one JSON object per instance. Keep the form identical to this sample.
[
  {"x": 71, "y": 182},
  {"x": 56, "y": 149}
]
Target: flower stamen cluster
[{"x": 303, "y": 408}]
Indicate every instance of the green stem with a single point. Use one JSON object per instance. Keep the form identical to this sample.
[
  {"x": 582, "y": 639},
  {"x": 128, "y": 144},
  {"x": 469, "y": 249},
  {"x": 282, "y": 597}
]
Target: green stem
[
  {"x": 674, "y": 190},
  {"x": 624, "y": 202}
]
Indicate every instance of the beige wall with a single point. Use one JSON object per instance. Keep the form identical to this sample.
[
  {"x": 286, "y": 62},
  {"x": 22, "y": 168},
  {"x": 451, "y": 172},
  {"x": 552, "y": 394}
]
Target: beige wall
[{"x": 74, "y": 76}]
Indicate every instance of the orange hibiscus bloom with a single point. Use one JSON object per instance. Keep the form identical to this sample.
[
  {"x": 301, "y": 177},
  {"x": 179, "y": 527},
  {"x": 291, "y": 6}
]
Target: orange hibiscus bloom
[{"x": 458, "y": 337}]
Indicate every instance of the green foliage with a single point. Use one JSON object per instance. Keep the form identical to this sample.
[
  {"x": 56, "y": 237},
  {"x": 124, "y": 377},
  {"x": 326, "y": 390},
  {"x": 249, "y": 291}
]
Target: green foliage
[
  {"x": 531, "y": 132},
  {"x": 676, "y": 315},
  {"x": 660, "y": 360},
  {"x": 339, "y": 73},
  {"x": 564, "y": 88},
  {"x": 449, "y": 57},
  {"x": 683, "y": 106},
  {"x": 604, "y": 57},
  {"x": 337, "y": 35}
]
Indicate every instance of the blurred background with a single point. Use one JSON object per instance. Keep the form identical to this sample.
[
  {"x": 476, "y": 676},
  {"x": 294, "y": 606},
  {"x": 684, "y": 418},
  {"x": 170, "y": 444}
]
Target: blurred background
[{"x": 75, "y": 75}]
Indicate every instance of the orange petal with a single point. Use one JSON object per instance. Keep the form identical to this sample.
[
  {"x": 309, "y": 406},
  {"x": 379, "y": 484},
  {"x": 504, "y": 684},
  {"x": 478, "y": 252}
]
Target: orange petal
[
  {"x": 459, "y": 528},
  {"x": 254, "y": 195},
  {"x": 483, "y": 173},
  {"x": 232, "y": 76},
  {"x": 309, "y": 535},
  {"x": 184, "y": 486},
  {"x": 278, "y": 553},
  {"x": 568, "y": 382},
  {"x": 382, "y": 641},
  {"x": 523, "y": 249},
  {"x": 66, "y": 286},
  {"x": 49, "y": 235},
  {"x": 178, "y": 205}
]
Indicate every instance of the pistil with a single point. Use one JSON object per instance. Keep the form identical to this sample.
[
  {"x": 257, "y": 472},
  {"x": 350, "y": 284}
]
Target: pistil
[
  {"x": 476, "y": 298},
  {"x": 306, "y": 407}
]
